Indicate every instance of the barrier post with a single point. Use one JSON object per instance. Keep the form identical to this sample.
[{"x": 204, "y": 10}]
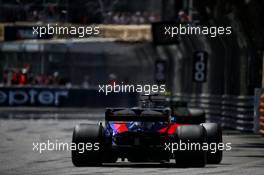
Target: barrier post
[{"x": 259, "y": 111}]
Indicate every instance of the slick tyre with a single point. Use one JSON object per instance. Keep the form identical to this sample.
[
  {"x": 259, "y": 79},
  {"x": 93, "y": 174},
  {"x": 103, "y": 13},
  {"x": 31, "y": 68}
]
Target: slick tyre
[
  {"x": 87, "y": 134},
  {"x": 194, "y": 157},
  {"x": 214, "y": 136}
]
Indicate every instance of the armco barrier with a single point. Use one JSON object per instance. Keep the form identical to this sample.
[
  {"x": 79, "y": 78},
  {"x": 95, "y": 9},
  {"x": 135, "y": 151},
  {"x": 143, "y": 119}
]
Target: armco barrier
[
  {"x": 259, "y": 111},
  {"x": 234, "y": 112},
  {"x": 63, "y": 97}
]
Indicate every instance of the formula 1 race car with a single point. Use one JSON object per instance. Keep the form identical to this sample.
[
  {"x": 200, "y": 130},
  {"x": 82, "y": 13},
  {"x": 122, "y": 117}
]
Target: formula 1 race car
[{"x": 149, "y": 133}]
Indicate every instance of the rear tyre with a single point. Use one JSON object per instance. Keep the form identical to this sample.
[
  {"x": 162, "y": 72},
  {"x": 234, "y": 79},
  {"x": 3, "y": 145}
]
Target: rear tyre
[
  {"x": 214, "y": 135},
  {"x": 91, "y": 135},
  {"x": 194, "y": 157}
]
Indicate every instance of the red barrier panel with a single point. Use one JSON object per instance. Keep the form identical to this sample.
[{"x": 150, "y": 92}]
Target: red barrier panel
[{"x": 261, "y": 111}]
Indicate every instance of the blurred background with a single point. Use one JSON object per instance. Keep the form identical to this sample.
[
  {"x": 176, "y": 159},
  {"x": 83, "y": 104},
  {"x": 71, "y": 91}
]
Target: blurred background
[
  {"x": 50, "y": 84},
  {"x": 130, "y": 50}
]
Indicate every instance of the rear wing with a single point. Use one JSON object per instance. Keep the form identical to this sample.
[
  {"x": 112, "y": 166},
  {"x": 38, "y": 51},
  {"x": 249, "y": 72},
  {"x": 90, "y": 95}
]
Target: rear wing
[{"x": 139, "y": 114}]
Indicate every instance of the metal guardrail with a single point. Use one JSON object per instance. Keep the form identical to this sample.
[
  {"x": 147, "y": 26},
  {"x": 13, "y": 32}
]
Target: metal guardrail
[{"x": 233, "y": 112}]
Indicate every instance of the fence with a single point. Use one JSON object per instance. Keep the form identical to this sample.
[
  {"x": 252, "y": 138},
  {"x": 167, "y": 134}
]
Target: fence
[{"x": 234, "y": 112}]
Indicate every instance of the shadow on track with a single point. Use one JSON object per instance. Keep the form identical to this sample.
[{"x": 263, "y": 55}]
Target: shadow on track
[{"x": 147, "y": 165}]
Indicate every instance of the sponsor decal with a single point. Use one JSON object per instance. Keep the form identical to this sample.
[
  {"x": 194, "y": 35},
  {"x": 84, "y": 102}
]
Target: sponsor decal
[{"x": 32, "y": 97}]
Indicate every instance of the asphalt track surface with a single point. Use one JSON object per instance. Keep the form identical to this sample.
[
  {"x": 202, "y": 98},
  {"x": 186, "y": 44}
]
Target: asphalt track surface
[{"x": 17, "y": 134}]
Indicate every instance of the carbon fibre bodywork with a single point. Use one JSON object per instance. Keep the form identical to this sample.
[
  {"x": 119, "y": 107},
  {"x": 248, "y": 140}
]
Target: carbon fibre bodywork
[
  {"x": 137, "y": 132},
  {"x": 142, "y": 121}
]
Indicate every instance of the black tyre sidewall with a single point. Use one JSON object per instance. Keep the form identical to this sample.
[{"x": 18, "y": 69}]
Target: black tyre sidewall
[
  {"x": 191, "y": 158},
  {"x": 91, "y": 134},
  {"x": 214, "y": 135}
]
